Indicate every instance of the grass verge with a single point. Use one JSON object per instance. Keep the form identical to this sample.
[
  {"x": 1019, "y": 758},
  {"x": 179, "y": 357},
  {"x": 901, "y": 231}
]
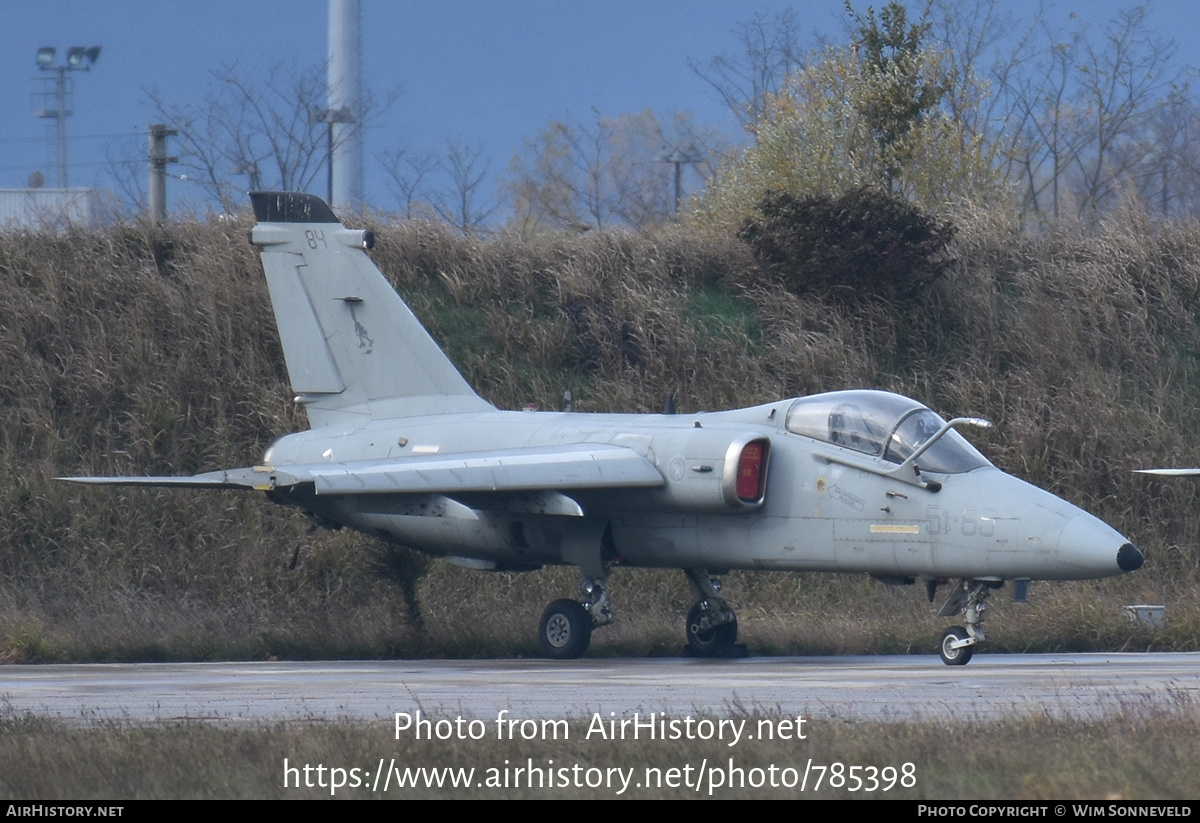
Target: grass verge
[{"x": 1134, "y": 755}]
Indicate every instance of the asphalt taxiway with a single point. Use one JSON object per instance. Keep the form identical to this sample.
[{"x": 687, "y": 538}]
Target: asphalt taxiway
[{"x": 895, "y": 688}]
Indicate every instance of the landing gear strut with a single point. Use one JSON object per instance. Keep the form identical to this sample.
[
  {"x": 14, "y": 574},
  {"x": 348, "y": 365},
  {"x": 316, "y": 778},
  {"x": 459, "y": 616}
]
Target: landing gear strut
[
  {"x": 958, "y": 643},
  {"x": 566, "y": 627},
  {"x": 711, "y": 623}
]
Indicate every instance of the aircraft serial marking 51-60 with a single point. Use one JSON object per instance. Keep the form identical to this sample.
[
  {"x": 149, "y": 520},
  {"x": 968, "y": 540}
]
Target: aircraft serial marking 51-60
[{"x": 400, "y": 447}]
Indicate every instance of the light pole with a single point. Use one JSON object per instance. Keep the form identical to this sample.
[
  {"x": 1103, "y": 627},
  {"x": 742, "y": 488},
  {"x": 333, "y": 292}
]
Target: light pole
[{"x": 78, "y": 59}]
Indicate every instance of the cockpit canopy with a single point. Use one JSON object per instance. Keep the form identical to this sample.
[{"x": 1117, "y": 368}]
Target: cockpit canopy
[{"x": 884, "y": 425}]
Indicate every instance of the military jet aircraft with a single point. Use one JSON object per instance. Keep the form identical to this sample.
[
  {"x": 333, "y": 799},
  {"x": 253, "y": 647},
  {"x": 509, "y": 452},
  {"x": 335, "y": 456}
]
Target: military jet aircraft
[{"x": 400, "y": 447}]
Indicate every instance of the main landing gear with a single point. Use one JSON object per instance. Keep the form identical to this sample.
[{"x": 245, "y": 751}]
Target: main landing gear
[
  {"x": 711, "y": 629},
  {"x": 566, "y": 628},
  {"x": 958, "y": 643},
  {"x": 711, "y": 623}
]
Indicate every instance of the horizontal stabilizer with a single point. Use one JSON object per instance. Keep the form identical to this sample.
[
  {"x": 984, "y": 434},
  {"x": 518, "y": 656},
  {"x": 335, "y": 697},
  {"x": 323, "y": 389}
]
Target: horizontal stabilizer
[
  {"x": 1169, "y": 472},
  {"x": 261, "y": 478}
]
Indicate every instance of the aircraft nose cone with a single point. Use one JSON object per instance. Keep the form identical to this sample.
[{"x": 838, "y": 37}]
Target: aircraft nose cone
[
  {"x": 1129, "y": 558},
  {"x": 1096, "y": 549}
]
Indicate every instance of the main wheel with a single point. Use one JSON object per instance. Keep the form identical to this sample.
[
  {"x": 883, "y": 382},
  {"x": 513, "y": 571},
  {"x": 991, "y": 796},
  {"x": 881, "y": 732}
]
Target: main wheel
[
  {"x": 709, "y": 642},
  {"x": 566, "y": 630},
  {"x": 950, "y": 655}
]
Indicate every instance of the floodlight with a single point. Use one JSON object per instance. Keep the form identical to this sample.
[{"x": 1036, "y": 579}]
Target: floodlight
[{"x": 78, "y": 58}]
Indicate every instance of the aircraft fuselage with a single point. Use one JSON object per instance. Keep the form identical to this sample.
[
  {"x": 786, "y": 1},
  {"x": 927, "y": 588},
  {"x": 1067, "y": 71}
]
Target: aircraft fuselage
[{"x": 816, "y": 515}]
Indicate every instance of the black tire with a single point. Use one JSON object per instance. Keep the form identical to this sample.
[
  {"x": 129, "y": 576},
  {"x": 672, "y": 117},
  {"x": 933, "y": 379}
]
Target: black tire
[
  {"x": 955, "y": 657},
  {"x": 710, "y": 642},
  {"x": 566, "y": 630}
]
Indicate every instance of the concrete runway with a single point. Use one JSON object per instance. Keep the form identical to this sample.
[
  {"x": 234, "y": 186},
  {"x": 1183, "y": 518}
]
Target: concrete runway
[{"x": 992, "y": 686}]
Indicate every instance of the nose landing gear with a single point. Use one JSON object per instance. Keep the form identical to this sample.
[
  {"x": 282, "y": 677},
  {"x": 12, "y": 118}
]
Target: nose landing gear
[
  {"x": 957, "y": 646},
  {"x": 958, "y": 643}
]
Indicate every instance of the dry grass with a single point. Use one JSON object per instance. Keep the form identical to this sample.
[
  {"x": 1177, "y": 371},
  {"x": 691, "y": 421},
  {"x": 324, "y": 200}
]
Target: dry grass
[
  {"x": 1133, "y": 754},
  {"x": 151, "y": 350}
]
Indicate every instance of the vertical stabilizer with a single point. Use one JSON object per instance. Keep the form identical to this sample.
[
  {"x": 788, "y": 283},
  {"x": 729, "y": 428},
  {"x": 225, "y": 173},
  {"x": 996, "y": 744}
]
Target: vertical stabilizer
[{"x": 353, "y": 348}]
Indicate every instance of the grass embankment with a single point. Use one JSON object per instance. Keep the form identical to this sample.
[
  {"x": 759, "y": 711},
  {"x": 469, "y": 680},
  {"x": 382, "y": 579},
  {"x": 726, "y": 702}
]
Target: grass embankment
[{"x": 141, "y": 350}]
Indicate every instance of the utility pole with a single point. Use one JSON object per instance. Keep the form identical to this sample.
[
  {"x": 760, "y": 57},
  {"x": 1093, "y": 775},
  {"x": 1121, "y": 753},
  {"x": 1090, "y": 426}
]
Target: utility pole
[
  {"x": 679, "y": 156},
  {"x": 158, "y": 170}
]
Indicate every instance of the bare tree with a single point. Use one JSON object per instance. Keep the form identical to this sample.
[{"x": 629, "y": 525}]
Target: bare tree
[
  {"x": 616, "y": 172},
  {"x": 986, "y": 50},
  {"x": 561, "y": 178},
  {"x": 469, "y": 202},
  {"x": 1041, "y": 148},
  {"x": 1083, "y": 111},
  {"x": 1121, "y": 86},
  {"x": 261, "y": 130},
  {"x": 408, "y": 175},
  {"x": 769, "y": 49},
  {"x": 1168, "y": 156},
  {"x": 126, "y": 157}
]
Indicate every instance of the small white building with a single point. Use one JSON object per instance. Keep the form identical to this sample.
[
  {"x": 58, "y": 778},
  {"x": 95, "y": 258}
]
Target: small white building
[{"x": 50, "y": 208}]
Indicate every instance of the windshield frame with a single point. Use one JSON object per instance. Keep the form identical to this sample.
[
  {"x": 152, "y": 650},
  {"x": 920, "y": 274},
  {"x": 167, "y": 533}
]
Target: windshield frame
[{"x": 873, "y": 423}]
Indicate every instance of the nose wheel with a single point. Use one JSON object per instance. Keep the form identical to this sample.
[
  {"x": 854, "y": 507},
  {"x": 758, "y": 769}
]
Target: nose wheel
[
  {"x": 967, "y": 598},
  {"x": 957, "y": 646}
]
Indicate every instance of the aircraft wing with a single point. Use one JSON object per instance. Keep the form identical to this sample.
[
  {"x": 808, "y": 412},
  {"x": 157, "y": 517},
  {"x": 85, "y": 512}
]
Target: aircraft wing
[
  {"x": 579, "y": 466},
  {"x": 1169, "y": 472},
  {"x": 583, "y": 466}
]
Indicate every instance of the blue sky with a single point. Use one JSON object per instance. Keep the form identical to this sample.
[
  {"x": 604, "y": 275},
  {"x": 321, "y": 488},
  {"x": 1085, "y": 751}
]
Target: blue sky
[{"x": 476, "y": 73}]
